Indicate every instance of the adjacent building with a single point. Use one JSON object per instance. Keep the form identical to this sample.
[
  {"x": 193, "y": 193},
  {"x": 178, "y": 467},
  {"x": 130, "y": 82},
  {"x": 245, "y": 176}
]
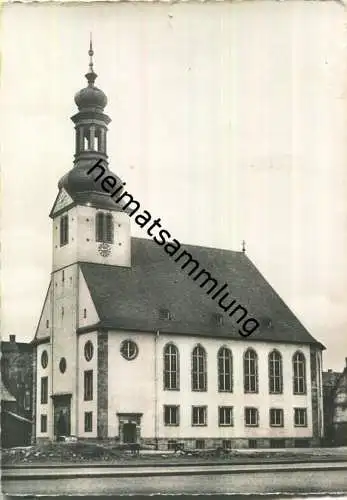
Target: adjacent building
[
  {"x": 129, "y": 348},
  {"x": 16, "y": 392},
  {"x": 335, "y": 407}
]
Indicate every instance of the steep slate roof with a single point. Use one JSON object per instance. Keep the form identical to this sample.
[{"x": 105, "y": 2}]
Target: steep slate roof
[
  {"x": 130, "y": 298},
  {"x": 7, "y": 346}
]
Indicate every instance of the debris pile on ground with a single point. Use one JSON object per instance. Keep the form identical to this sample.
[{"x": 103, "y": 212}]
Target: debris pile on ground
[{"x": 60, "y": 452}]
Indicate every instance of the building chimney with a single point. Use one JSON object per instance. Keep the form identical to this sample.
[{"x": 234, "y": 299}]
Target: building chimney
[
  {"x": 330, "y": 370},
  {"x": 12, "y": 339}
]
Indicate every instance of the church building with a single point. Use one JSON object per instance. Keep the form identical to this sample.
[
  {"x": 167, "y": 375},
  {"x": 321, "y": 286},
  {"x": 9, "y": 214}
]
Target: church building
[{"x": 129, "y": 349}]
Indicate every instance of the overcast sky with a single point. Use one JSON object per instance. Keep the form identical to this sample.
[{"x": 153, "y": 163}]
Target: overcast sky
[{"x": 227, "y": 122}]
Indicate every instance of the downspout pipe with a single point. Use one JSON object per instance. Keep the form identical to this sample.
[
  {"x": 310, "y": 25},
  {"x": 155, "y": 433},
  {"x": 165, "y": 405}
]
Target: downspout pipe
[{"x": 156, "y": 421}]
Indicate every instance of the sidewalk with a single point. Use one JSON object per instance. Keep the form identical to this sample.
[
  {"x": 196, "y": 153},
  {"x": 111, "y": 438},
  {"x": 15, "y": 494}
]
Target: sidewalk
[{"x": 71, "y": 473}]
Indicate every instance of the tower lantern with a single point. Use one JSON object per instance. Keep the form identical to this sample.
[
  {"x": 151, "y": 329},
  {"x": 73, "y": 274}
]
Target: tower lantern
[{"x": 90, "y": 121}]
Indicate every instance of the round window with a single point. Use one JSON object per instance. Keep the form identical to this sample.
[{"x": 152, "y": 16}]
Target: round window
[
  {"x": 62, "y": 365},
  {"x": 88, "y": 350},
  {"x": 44, "y": 359},
  {"x": 129, "y": 349}
]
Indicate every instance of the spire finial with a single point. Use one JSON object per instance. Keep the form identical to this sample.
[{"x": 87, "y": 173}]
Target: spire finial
[
  {"x": 243, "y": 246},
  {"x": 91, "y": 53},
  {"x": 91, "y": 76}
]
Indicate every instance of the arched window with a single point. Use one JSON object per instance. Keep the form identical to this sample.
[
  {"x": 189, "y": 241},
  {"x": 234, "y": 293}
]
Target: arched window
[
  {"x": 87, "y": 146},
  {"x": 299, "y": 373},
  {"x": 275, "y": 373},
  {"x": 171, "y": 367},
  {"x": 199, "y": 369},
  {"x": 225, "y": 370},
  {"x": 250, "y": 371},
  {"x": 104, "y": 227},
  {"x": 97, "y": 144}
]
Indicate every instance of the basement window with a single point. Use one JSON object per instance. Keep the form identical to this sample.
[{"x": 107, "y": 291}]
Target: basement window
[
  {"x": 226, "y": 444},
  {"x": 43, "y": 423},
  {"x": 217, "y": 319},
  {"x": 88, "y": 421},
  {"x": 199, "y": 444},
  {"x": 164, "y": 314},
  {"x": 171, "y": 444}
]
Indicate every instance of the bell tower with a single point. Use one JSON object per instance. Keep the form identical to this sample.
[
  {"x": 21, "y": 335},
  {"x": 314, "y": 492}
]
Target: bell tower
[
  {"x": 88, "y": 226},
  {"x": 90, "y": 121}
]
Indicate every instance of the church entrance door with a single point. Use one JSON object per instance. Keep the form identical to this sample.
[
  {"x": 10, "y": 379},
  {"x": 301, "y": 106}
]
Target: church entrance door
[
  {"x": 129, "y": 427},
  {"x": 62, "y": 415},
  {"x": 129, "y": 433}
]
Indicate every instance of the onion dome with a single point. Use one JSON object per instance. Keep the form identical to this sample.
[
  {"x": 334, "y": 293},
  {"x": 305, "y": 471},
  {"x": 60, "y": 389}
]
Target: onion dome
[
  {"x": 77, "y": 180},
  {"x": 91, "y": 96},
  {"x": 83, "y": 189}
]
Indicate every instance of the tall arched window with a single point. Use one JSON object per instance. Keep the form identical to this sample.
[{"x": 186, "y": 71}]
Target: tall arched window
[
  {"x": 171, "y": 367},
  {"x": 299, "y": 373},
  {"x": 225, "y": 370},
  {"x": 199, "y": 369},
  {"x": 104, "y": 227},
  {"x": 250, "y": 371},
  {"x": 275, "y": 373}
]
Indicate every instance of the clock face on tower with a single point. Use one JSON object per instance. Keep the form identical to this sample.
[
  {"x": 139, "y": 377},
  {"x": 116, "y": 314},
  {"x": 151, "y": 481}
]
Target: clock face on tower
[{"x": 104, "y": 249}]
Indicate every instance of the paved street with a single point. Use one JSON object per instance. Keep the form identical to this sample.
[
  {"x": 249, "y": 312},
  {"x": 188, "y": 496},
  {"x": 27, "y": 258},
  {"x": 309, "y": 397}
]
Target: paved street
[{"x": 283, "y": 478}]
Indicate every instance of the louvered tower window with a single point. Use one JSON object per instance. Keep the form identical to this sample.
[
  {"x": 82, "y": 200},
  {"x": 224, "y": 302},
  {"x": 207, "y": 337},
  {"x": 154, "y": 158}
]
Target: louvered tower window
[{"x": 104, "y": 227}]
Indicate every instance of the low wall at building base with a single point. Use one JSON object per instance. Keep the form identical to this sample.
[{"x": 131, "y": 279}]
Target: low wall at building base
[
  {"x": 232, "y": 443},
  {"x": 165, "y": 444}
]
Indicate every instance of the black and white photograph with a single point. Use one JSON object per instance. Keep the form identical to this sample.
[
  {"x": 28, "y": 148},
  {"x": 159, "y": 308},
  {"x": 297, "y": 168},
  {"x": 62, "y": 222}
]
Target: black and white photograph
[{"x": 174, "y": 249}]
